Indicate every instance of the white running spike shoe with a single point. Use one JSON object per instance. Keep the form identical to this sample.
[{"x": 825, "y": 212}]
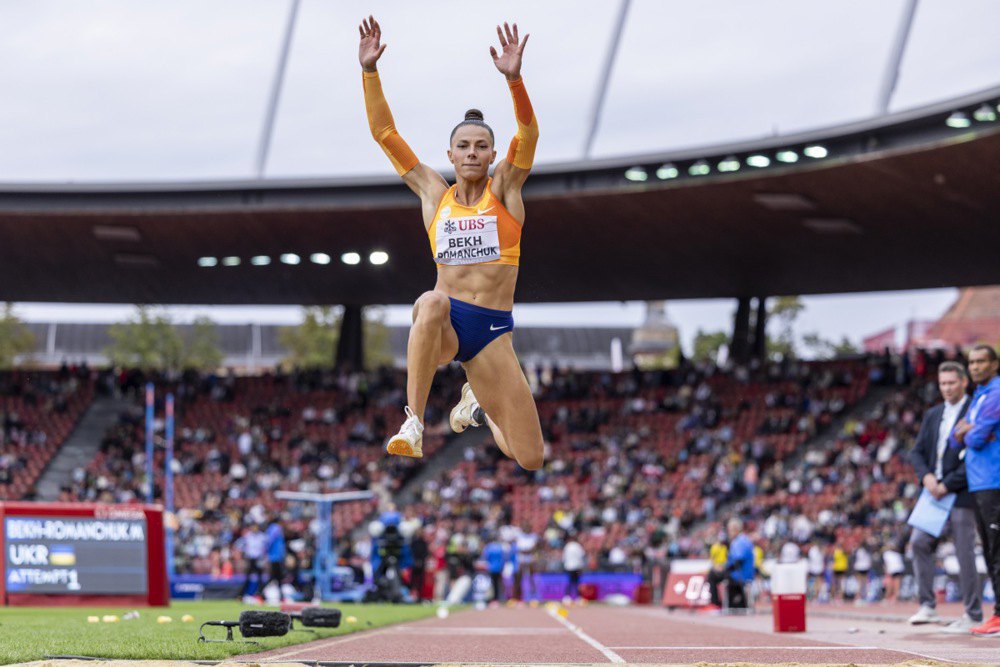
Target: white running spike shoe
[
  {"x": 961, "y": 626},
  {"x": 467, "y": 413},
  {"x": 925, "y": 615},
  {"x": 409, "y": 439}
]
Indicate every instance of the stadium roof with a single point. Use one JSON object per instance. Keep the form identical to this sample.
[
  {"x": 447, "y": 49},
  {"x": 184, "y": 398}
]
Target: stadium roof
[{"x": 900, "y": 202}]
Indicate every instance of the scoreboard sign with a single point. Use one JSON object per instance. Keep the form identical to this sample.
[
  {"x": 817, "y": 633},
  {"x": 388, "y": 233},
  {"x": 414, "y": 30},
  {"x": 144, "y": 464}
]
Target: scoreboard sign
[
  {"x": 687, "y": 584},
  {"x": 79, "y": 553}
]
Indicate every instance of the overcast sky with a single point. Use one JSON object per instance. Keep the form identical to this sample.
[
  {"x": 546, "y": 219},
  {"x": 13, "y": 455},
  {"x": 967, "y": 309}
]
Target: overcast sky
[{"x": 112, "y": 90}]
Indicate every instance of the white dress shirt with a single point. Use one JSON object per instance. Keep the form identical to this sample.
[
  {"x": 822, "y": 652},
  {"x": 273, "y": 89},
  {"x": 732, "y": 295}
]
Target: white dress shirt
[{"x": 948, "y": 419}]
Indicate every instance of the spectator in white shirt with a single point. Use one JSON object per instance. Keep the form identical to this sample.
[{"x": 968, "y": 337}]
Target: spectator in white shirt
[
  {"x": 790, "y": 553},
  {"x": 862, "y": 568},
  {"x": 574, "y": 559}
]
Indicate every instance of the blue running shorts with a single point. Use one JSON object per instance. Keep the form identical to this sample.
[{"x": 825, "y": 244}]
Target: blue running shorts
[{"x": 477, "y": 327}]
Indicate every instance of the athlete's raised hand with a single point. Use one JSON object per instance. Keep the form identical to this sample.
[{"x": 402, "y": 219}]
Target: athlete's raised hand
[
  {"x": 370, "y": 49},
  {"x": 508, "y": 61}
]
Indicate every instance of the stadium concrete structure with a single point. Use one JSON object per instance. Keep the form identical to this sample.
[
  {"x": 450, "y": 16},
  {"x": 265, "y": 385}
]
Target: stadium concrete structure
[
  {"x": 974, "y": 317},
  {"x": 253, "y": 347}
]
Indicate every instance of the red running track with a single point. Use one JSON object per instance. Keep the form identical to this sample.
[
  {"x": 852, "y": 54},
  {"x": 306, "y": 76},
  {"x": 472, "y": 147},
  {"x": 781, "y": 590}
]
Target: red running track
[{"x": 594, "y": 634}]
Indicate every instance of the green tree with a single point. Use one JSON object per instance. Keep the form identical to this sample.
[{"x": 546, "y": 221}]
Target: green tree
[
  {"x": 845, "y": 348},
  {"x": 822, "y": 348},
  {"x": 313, "y": 343},
  {"x": 784, "y": 310},
  {"x": 147, "y": 341},
  {"x": 201, "y": 350},
  {"x": 378, "y": 347},
  {"x": 707, "y": 344},
  {"x": 15, "y": 338}
]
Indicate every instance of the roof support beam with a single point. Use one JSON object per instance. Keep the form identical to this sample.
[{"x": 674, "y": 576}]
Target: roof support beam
[
  {"x": 602, "y": 88},
  {"x": 891, "y": 76},
  {"x": 264, "y": 146},
  {"x": 759, "y": 350},
  {"x": 739, "y": 346},
  {"x": 351, "y": 342}
]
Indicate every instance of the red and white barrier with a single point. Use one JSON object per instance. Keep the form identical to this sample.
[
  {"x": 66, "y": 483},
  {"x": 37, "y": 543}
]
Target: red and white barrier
[{"x": 788, "y": 596}]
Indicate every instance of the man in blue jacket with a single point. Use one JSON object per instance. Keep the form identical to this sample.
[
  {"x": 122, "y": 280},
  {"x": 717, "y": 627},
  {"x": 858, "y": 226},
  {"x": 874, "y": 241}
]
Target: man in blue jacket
[
  {"x": 495, "y": 555},
  {"x": 276, "y": 550},
  {"x": 739, "y": 570},
  {"x": 980, "y": 433}
]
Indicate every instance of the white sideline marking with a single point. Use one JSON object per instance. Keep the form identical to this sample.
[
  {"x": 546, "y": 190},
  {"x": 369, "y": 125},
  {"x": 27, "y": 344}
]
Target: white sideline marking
[
  {"x": 452, "y": 631},
  {"x": 608, "y": 653},
  {"x": 748, "y": 648},
  {"x": 780, "y": 648},
  {"x": 332, "y": 641}
]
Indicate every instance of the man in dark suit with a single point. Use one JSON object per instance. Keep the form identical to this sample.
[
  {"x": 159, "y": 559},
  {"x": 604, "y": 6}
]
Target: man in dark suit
[{"x": 941, "y": 470}]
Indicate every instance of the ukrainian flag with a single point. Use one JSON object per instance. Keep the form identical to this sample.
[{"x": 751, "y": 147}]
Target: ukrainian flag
[{"x": 62, "y": 554}]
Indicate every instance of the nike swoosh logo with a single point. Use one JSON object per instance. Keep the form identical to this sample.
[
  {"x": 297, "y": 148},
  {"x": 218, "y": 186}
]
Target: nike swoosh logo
[
  {"x": 485, "y": 211},
  {"x": 493, "y": 328}
]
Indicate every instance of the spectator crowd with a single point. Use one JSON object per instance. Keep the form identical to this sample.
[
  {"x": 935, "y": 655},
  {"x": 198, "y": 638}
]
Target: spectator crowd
[{"x": 641, "y": 468}]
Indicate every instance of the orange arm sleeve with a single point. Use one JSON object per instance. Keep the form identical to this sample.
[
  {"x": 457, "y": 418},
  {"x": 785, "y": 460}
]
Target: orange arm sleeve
[
  {"x": 521, "y": 153},
  {"x": 384, "y": 128}
]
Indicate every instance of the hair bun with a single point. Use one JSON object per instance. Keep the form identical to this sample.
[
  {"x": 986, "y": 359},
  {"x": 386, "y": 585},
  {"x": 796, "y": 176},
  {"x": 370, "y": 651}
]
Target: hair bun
[{"x": 474, "y": 114}]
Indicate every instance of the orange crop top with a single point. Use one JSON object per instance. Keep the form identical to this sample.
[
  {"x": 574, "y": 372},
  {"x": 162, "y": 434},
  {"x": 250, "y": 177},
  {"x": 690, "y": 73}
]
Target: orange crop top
[{"x": 485, "y": 233}]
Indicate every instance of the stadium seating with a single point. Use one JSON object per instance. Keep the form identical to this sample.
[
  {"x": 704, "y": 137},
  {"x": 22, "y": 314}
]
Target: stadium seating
[
  {"x": 633, "y": 452},
  {"x": 38, "y": 411},
  {"x": 317, "y": 432},
  {"x": 859, "y": 488},
  {"x": 630, "y": 457}
]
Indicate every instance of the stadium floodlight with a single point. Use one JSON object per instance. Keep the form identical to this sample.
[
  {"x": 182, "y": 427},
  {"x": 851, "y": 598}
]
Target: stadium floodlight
[
  {"x": 379, "y": 257},
  {"x": 230, "y": 261},
  {"x": 985, "y": 114},
  {"x": 350, "y": 258},
  {"x": 759, "y": 161},
  {"x": 667, "y": 171},
  {"x": 290, "y": 258},
  {"x": 636, "y": 174},
  {"x": 260, "y": 260},
  {"x": 958, "y": 120},
  {"x": 787, "y": 156},
  {"x": 815, "y": 151},
  {"x": 699, "y": 168},
  {"x": 207, "y": 261},
  {"x": 729, "y": 163},
  {"x": 319, "y": 258}
]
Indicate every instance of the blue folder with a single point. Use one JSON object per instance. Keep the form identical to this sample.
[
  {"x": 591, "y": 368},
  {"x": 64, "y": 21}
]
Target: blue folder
[{"x": 930, "y": 514}]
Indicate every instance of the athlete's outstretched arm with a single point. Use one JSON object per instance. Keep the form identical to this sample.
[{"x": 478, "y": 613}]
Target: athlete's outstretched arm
[
  {"x": 419, "y": 177},
  {"x": 513, "y": 170}
]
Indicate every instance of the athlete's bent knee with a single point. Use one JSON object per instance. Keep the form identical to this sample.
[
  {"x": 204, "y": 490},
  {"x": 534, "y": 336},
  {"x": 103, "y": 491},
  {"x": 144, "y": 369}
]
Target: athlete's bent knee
[
  {"x": 532, "y": 461},
  {"x": 432, "y": 307}
]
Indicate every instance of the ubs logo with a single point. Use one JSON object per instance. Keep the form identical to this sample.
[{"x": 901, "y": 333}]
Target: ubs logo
[{"x": 449, "y": 227}]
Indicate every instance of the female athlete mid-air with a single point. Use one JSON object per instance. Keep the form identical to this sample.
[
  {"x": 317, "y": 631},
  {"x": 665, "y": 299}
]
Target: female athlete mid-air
[{"x": 474, "y": 228}]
